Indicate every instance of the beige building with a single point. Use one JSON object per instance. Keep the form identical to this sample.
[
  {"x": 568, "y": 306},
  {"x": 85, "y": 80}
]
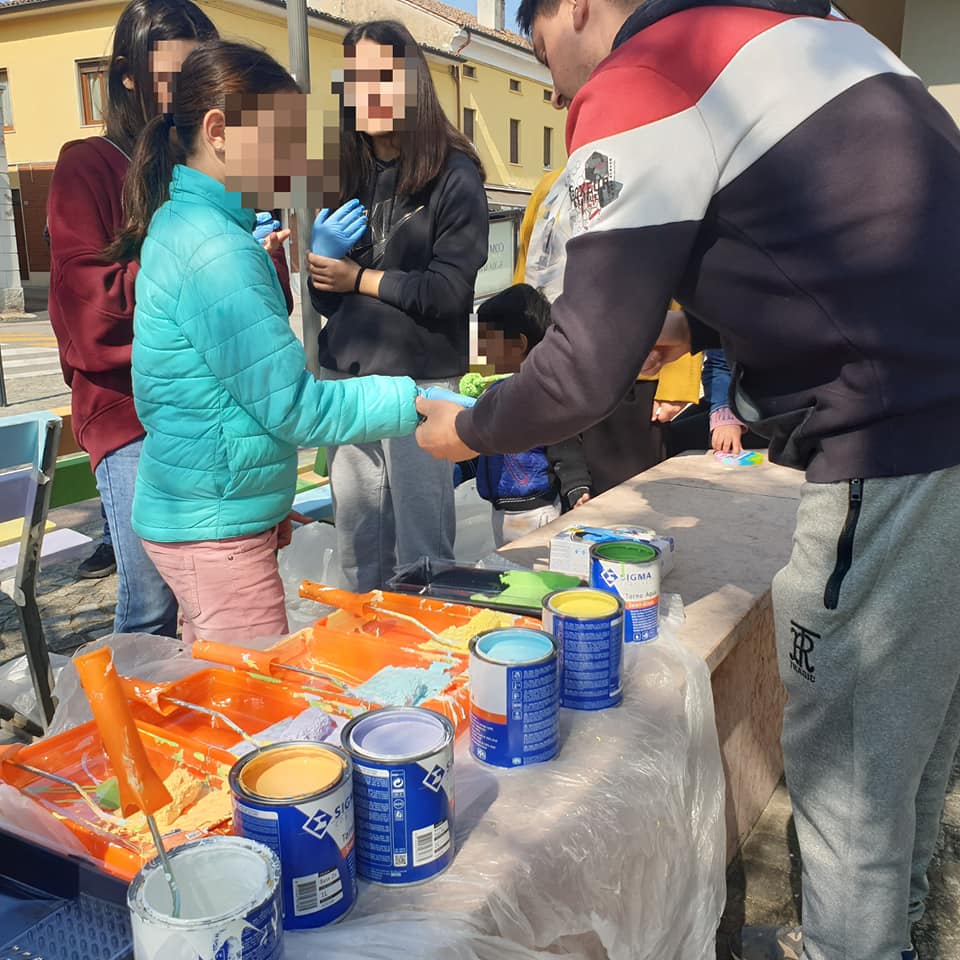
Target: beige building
[
  {"x": 924, "y": 33},
  {"x": 52, "y": 58}
]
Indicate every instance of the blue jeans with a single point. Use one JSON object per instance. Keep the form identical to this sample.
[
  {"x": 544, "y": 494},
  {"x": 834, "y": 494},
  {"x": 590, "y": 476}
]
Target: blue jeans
[{"x": 145, "y": 604}]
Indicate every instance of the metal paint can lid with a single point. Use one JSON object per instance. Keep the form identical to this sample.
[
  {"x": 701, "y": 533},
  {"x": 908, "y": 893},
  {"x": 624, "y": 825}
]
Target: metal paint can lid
[
  {"x": 583, "y": 603},
  {"x": 514, "y": 646},
  {"x": 220, "y": 878},
  {"x": 401, "y": 734},
  {"x": 625, "y": 551},
  {"x": 286, "y": 773}
]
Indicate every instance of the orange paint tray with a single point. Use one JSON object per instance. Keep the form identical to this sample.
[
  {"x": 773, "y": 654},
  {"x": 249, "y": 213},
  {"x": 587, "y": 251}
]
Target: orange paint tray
[
  {"x": 251, "y": 701},
  {"x": 78, "y": 755},
  {"x": 352, "y": 658},
  {"x": 370, "y": 613},
  {"x": 357, "y": 641}
]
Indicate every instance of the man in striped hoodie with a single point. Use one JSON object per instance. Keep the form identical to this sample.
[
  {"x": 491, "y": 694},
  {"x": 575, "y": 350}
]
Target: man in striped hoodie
[{"x": 792, "y": 184}]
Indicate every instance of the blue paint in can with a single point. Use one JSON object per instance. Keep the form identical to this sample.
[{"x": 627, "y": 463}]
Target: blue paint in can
[
  {"x": 588, "y": 627},
  {"x": 297, "y": 799},
  {"x": 631, "y": 570},
  {"x": 403, "y": 787},
  {"x": 514, "y": 697}
]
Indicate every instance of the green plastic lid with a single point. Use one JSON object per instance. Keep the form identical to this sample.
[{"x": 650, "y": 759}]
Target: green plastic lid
[{"x": 626, "y": 551}]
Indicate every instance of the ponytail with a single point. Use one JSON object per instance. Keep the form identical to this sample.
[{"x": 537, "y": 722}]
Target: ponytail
[
  {"x": 211, "y": 75},
  {"x": 146, "y": 186}
]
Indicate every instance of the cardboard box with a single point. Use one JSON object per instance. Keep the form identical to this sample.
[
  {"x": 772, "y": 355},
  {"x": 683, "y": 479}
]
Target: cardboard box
[{"x": 570, "y": 549}]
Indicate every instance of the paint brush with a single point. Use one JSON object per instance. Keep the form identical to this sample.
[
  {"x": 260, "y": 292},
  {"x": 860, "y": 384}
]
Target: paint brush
[{"x": 139, "y": 785}]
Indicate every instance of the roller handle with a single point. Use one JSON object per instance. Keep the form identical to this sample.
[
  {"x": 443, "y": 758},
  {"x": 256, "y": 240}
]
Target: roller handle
[
  {"x": 139, "y": 784},
  {"x": 355, "y": 603},
  {"x": 240, "y": 658}
]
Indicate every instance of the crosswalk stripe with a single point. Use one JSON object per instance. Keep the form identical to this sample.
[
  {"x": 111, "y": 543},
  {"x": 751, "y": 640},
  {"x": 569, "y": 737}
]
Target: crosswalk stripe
[
  {"x": 33, "y": 362},
  {"x": 35, "y": 374},
  {"x": 22, "y": 362}
]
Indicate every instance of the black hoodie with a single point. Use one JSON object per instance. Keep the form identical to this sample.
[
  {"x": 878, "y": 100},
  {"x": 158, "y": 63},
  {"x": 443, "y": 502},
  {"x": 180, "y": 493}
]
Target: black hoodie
[
  {"x": 430, "y": 247},
  {"x": 796, "y": 188}
]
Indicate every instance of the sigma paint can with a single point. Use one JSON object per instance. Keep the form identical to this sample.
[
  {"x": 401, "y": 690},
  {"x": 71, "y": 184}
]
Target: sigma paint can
[
  {"x": 229, "y": 903},
  {"x": 297, "y": 799},
  {"x": 631, "y": 570},
  {"x": 588, "y": 627},
  {"x": 514, "y": 697},
  {"x": 403, "y": 791}
]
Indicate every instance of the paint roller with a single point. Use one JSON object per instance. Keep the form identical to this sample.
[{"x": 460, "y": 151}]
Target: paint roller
[
  {"x": 139, "y": 785},
  {"x": 364, "y": 605},
  {"x": 258, "y": 661}
]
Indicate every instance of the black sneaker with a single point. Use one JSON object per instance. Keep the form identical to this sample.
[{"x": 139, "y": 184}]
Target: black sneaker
[
  {"x": 779, "y": 943},
  {"x": 101, "y": 563},
  {"x": 769, "y": 943}
]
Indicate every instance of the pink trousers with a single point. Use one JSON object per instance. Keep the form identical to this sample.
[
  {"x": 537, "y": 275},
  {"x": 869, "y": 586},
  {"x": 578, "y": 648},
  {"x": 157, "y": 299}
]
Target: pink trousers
[{"x": 229, "y": 591}]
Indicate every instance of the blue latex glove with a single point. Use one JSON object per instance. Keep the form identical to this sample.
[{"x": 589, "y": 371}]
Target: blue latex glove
[
  {"x": 265, "y": 226},
  {"x": 334, "y": 234},
  {"x": 440, "y": 393}
]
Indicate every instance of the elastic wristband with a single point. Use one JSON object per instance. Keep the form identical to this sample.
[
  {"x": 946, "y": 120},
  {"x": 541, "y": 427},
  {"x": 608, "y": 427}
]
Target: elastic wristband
[{"x": 356, "y": 286}]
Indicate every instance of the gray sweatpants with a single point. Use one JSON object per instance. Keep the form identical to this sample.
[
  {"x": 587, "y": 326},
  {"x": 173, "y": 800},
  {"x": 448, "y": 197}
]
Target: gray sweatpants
[
  {"x": 871, "y": 662},
  {"x": 393, "y": 503}
]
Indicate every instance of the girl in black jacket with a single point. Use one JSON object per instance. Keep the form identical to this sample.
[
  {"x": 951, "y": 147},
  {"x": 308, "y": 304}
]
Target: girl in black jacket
[{"x": 400, "y": 303}]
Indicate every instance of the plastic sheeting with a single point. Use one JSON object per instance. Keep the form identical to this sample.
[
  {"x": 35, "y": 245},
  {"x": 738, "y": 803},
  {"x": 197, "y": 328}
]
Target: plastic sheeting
[
  {"x": 157, "y": 659},
  {"x": 613, "y": 850},
  {"x": 16, "y": 685}
]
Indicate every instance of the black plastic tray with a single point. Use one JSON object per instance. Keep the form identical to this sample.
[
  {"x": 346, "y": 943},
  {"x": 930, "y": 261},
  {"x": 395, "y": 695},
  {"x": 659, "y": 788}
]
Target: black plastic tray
[
  {"x": 459, "y": 584},
  {"x": 56, "y": 907}
]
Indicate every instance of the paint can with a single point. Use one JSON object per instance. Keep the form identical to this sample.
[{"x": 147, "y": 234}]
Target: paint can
[
  {"x": 631, "y": 570},
  {"x": 514, "y": 697},
  {"x": 297, "y": 799},
  {"x": 229, "y": 903},
  {"x": 588, "y": 627},
  {"x": 403, "y": 788}
]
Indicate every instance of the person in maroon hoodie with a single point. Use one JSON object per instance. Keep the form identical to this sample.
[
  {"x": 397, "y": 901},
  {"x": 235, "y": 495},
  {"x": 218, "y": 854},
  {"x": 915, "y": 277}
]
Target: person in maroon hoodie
[{"x": 92, "y": 299}]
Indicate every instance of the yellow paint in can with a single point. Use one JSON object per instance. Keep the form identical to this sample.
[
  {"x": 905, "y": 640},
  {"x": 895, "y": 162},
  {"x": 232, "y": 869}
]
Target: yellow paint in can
[{"x": 584, "y": 603}]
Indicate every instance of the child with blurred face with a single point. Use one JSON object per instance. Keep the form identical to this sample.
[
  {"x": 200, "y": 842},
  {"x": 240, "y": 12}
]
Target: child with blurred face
[
  {"x": 526, "y": 490},
  {"x": 218, "y": 375}
]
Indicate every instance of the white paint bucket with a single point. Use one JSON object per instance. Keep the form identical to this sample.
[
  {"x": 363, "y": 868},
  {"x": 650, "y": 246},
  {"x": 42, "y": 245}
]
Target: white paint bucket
[{"x": 229, "y": 904}]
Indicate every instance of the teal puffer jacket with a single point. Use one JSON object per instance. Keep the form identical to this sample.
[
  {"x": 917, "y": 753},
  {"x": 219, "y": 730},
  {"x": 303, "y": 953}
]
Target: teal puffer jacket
[{"x": 220, "y": 380}]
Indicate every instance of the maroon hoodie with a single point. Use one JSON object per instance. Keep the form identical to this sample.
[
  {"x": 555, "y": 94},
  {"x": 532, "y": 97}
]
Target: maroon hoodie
[{"x": 91, "y": 299}]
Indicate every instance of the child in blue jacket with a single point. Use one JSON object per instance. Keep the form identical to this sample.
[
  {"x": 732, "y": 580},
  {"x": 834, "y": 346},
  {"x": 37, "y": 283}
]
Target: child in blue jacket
[
  {"x": 527, "y": 490},
  {"x": 219, "y": 379}
]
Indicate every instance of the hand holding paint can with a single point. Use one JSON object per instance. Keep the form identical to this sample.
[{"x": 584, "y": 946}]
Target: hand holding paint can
[
  {"x": 297, "y": 799},
  {"x": 630, "y": 569},
  {"x": 403, "y": 788},
  {"x": 514, "y": 697},
  {"x": 588, "y": 627}
]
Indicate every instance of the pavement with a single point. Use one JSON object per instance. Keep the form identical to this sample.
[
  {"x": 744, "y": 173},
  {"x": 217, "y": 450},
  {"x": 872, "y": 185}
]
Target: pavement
[
  {"x": 29, "y": 358},
  {"x": 763, "y": 882}
]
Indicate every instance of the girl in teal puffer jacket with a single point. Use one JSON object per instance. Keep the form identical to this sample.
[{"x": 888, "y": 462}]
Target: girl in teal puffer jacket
[{"x": 219, "y": 379}]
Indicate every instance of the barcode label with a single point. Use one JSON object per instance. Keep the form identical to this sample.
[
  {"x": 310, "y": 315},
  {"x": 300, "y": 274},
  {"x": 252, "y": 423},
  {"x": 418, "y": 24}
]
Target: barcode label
[
  {"x": 430, "y": 842},
  {"x": 316, "y": 892}
]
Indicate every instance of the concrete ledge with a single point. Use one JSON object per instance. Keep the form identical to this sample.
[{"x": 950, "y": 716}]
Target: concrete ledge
[{"x": 734, "y": 528}]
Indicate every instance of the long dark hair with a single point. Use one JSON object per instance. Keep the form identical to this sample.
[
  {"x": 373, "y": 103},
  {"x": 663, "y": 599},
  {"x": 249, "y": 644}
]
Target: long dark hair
[
  {"x": 143, "y": 24},
  {"x": 213, "y": 72},
  {"x": 424, "y": 144}
]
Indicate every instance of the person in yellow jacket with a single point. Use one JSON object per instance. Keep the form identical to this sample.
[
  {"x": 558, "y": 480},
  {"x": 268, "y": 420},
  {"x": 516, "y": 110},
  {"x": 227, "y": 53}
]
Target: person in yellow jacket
[{"x": 631, "y": 439}]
